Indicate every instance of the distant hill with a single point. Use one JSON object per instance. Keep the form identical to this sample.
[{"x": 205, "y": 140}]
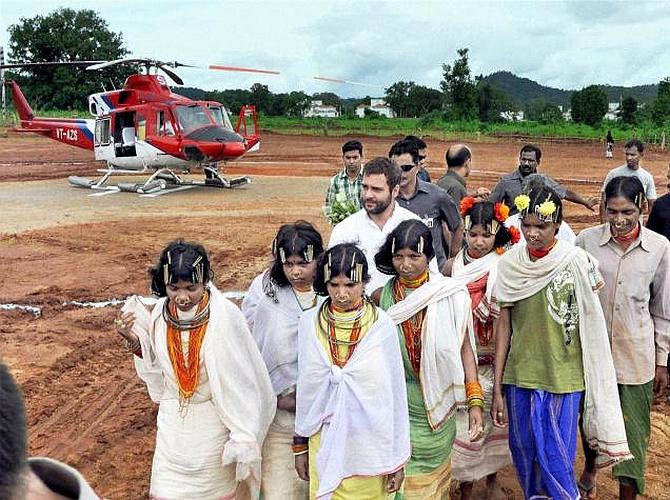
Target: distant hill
[{"x": 524, "y": 90}]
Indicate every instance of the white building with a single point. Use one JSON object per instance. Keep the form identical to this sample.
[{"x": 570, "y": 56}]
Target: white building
[
  {"x": 378, "y": 106},
  {"x": 318, "y": 108},
  {"x": 612, "y": 111},
  {"x": 512, "y": 116}
]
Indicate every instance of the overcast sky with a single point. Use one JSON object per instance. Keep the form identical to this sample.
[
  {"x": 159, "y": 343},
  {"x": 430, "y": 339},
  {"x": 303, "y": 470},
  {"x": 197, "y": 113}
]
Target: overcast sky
[{"x": 565, "y": 44}]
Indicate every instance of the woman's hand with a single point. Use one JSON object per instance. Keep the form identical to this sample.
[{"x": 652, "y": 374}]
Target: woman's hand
[
  {"x": 302, "y": 466},
  {"x": 476, "y": 423},
  {"x": 394, "y": 481},
  {"x": 124, "y": 325},
  {"x": 498, "y": 411}
]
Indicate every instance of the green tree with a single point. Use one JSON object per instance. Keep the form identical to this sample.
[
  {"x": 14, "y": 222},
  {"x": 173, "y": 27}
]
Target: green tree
[
  {"x": 459, "y": 88},
  {"x": 589, "y": 105},
  {"x": 540, "y": 110},
  {"x": 397, "y": 97},
  {"x": 491, "y": 101},
  {"x": 628, "y": 111},
  {"x": 660, "y": 111},
  {"x": 422, "y": 100},
  {"x": 329, "y": 98},
  {"x": 261, "y": 97},
  {"x": 64, "y": 35},
  {"x": 296, "y": 103}
]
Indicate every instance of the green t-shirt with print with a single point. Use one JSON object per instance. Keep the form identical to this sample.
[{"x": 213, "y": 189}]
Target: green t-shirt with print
[{"x": 545, "y": 350}]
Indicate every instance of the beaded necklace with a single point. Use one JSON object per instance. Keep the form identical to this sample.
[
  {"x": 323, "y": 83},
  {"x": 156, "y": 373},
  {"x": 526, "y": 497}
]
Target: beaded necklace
[
  {"x": 327, "y": 324},
  {"x": 411, "y": 328},
  {"x": 186, "y": 368}
]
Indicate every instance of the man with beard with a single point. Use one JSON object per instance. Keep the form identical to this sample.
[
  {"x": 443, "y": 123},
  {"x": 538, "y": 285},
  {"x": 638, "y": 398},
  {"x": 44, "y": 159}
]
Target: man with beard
[
  {"x": 431, "y": 203},
  {"x": 509, "y": 186},
  {"x": 634, "y": 150},
  {"x": 380, "y": 215},
  {"x": 348, "y": 180}
]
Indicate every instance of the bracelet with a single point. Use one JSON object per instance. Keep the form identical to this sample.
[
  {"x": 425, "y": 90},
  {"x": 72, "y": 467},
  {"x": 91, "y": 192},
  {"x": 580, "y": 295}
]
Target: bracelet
[
  {"x": 299, "y": 449},
  {"x": 473, "y": 389},
  {"x": 133, "y": 346},
  {"x": 475, "y": 402},
  {"x": 300, "y": 453}
]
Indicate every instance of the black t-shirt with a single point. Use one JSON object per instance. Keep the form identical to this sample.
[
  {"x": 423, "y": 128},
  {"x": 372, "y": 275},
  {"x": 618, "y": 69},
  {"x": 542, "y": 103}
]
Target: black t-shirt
[{"x": 659, "y": 218}]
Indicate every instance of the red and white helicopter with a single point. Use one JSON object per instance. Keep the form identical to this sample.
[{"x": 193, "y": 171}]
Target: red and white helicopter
[{"x": 146, "y": 128}]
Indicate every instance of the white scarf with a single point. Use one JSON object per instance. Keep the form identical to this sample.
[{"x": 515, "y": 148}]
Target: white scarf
[
  {"x": 518, "y": 278},
  {"x": 238, "y": 380},
  {"x": 273, "y": 322},
  {"x": 445, "y": 325},
  {"x": 476, "y": 269},
  {"x": 360, "y": 409}
]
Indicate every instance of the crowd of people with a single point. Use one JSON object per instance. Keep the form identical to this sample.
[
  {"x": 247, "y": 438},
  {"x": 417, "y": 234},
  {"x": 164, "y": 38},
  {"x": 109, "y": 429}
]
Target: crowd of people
[{"x": 442, "y": 334}]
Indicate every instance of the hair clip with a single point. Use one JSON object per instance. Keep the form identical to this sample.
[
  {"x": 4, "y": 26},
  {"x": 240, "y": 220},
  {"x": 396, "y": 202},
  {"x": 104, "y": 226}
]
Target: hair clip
[
  {"x": 309, "y": 253},
  {"x": 468, "y": 222},
  {"x": 274, "y": 247},
  {"x": 326, "y": 269},
  {"x": 166, "y": 274},
  {"x": 495, "y": 225},
  {"x": 420, "y": 245},
  {"x": 282, "y": 255},
  {"x": 393, "y": 245},
  {"x": 169, "y": 257}
]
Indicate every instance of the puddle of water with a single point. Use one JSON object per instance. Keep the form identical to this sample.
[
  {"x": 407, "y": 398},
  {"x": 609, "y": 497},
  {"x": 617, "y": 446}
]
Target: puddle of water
[{"x": 37, "y": 311}]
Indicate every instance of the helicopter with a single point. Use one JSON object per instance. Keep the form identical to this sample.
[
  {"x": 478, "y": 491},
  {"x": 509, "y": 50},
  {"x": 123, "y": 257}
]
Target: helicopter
[{"x": 146, "y": 128}]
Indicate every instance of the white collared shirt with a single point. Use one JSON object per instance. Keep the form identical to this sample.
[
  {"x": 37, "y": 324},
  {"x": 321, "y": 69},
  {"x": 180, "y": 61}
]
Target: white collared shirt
[{"x": 361, "y": 230}]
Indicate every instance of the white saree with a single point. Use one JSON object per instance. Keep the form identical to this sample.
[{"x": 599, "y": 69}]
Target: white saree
[
  {"x": 360, "y": 409},
  {"x": 206, "y": 449}
]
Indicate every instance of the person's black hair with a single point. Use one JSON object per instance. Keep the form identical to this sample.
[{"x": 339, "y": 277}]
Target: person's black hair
[
  {"x": 182, "y": 259},
  {"x": 408, "y": 234},
  {"x": 629, "y": 188},
  {"x": 352, "y": 146},
  {"x": 338, "y": 260},
  {"x": 531, "y": 148},
  {"x": 418, "y": 141},
  {"x": 294, "y": 239},
  {"x": 386, "y": 167},
  {"x": 405, "y": 146},
  {"x": 483, "y": 213},
  {"x": 456, "y": 157},
  {"x": 635, "y": 143},
  {"x": 13, "y": 441},
  {"x": 539, "y": 195}
]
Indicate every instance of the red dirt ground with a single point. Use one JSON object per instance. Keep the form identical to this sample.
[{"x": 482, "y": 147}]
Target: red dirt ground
[{"x": 57, "y": 244}]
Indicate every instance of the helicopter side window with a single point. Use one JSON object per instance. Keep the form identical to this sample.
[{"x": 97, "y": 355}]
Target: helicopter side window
[
  {"x": 141, "y": 127},
  {"x": 220, "y": 116},
  {"x": 102, "y": 132},
  {"x": 192, "y": 117},
  {"x": 164, "y": 124}
]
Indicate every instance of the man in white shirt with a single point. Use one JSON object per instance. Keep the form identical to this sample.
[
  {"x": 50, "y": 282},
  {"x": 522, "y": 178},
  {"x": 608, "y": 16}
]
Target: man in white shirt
[
  {"x": 634, "y": 152},
  {"x": 380, "y": 215}
]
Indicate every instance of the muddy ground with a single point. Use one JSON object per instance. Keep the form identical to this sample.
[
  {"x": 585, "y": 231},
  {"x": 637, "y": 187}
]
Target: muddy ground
[{"x": 58, "y": 244}]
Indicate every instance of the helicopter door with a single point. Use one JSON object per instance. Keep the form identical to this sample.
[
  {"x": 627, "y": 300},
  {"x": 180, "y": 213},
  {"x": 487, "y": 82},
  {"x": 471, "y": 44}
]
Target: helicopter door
[
  {"x": 104, "y": 147},
  {"x": 124, "y": 134},
  {"x": 247, "y": 127}
]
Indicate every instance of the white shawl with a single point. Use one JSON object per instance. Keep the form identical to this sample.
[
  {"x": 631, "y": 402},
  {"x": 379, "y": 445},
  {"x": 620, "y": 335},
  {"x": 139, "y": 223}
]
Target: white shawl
[
  {"x": 240, "y": 387},
  {"x": 476, "y": 269},
  {"x": 273, "y": 322},
  {"x": 518, "y": 278},
  {"x": 445, "y": 325},
  {"x": 360, "y": 409}
]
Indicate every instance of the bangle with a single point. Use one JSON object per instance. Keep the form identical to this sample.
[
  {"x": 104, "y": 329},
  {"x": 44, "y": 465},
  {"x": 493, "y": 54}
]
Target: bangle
[
  {"x": 300, "y": 453},
  {"x": 133, "y": 346},
  {"x": 472, "y": 402},
  {"x": 473, "y": 389},
  {"x": 299, "y": 449}
]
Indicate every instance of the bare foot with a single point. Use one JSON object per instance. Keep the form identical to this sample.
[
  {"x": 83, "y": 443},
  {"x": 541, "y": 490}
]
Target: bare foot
[{"x": 587, "y": 484}]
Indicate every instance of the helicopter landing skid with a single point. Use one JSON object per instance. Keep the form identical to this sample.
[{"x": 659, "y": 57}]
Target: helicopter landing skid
[{"x": 162, "y": 181}]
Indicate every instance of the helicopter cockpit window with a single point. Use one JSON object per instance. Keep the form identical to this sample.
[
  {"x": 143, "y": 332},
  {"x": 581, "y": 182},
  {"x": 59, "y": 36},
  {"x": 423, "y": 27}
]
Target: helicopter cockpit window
[
  {"x": 192, "y": 117},
  {"x": 220, "y": 116},
  {"x": 164, "y": 124}
]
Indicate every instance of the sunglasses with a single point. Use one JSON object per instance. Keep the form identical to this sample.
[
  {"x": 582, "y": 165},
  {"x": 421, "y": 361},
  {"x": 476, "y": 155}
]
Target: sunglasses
[{"x": 408, "y": 167}]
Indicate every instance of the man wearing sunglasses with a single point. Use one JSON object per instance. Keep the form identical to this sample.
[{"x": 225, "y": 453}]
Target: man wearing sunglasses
[
  {"x": 509, "y": 186},
  {"x": 422, "y": 149},
  {"x": 430, "y": 202}
]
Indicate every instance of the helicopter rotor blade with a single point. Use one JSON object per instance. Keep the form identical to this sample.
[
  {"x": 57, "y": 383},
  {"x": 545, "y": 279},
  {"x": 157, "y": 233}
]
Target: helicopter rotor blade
[
  {"x": 348, "y": 82},
  {"x": 53, "y": 63},
  {"x": 107, "y": 64},
  {"x": 171, "y": 74},
  {"x": 244, "y": 70}
]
